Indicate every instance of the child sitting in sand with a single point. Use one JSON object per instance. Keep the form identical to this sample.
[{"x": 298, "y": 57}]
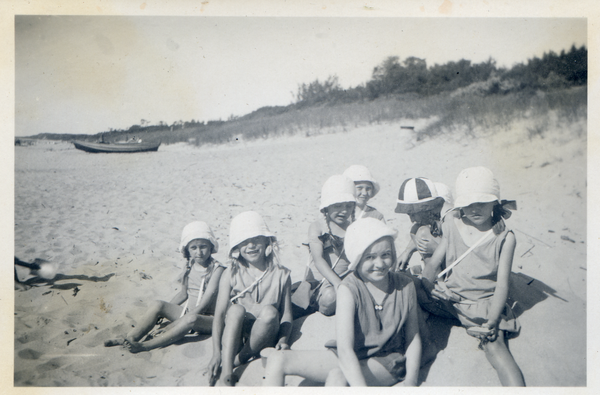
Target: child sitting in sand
[
  {"x": 378, "y": 342},
  {"x": 199, "y": 288},
  {"x": 253, "y": 309},
  {"x": 474, "y": 287},
  {"x": 366, "y": 189},
  {"x": 328, "y": 263},
  {"x": 421, "y": 200}
]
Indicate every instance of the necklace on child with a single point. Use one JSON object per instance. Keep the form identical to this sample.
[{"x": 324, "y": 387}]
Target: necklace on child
[{"x": 376, "y": 305}]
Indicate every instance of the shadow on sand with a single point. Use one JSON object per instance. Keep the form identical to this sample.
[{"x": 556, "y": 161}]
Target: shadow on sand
[
  {"x": 525, "y": 292},
  {"x": 56, "y": 277}
]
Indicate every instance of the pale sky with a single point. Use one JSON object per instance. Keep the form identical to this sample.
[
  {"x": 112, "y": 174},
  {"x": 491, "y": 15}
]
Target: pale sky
[{"x": 86, "y": 74}]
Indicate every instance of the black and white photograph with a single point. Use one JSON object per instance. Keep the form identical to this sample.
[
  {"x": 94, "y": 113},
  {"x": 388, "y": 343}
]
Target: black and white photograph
[{"x": 336, "y": 195}]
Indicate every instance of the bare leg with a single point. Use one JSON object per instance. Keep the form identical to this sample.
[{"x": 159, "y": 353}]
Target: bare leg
[
  {"x": 157, "y": 310},
  {"x": 174, "y": 332},
  {"x": 375, "y": 374},
  {"x": 313, "y": 365},
  {"x": 232, "y": 339},
  {"x": 336, "y": 378},
  {"x": 327, "y": 301},
  {"x": 504, "y": 363},
  {"x": 263, "y": 334}
]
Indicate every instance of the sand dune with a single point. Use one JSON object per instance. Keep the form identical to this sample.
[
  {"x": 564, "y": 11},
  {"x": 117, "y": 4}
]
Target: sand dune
[{"x": 99, "y": 214}]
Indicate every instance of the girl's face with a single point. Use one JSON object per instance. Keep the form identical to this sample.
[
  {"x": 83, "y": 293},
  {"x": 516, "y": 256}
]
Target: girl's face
[
  {"x": 253, "y": 250},
  {"x": 377, "y": 260},
  {"x": 364, "y": 192},
  {"x": 340, "y": 212},
  {"x": 479, "y": 213},
  {"x": 199, "y": 250}
]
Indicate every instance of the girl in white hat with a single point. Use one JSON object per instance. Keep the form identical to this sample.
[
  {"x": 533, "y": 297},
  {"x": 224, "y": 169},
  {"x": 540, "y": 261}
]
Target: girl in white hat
[
  {"x": 366, "y": 187},
  {"x": 420, "y": 199},
  {"x": 199, "y": 287},
  {"x": 377, "y": 337},
  {"x": 326, "y": 243},
  {"x": 254, "y": 309},
  {"x": 478, "y": 250}
]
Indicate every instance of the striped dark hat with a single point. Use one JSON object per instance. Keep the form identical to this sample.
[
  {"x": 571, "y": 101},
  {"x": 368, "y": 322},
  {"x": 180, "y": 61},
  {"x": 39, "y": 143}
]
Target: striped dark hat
[{"x": 418, "y": 194}]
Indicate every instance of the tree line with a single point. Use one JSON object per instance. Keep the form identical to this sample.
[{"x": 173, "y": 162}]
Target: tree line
[{"x": 412, "y": 76}]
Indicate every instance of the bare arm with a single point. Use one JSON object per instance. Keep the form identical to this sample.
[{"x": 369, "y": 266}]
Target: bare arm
[
  {"x": 285, "y": 327},
  {"x": 344, "y": 317},
  {"x": 439, "y": 256},
  {"x": 182, "y": 295},
  {"x": 219, "y": 321},
  {"x": 316, "y": 251},
  {"x": 404, "y": 258},
  {"x": 502, "y": 282},
  {"x": 211, "y": 291},
  {"x": 413, "y": 351}
]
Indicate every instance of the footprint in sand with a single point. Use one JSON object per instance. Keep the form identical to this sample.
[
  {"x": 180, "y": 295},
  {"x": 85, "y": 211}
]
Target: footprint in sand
[
  {"x": 29, "y": 354},
  {"x": 52, "y": 364}
]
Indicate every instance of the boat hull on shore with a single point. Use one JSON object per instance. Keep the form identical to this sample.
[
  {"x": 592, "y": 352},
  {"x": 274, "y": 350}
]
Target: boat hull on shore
[{"x": 115, "y": 148}]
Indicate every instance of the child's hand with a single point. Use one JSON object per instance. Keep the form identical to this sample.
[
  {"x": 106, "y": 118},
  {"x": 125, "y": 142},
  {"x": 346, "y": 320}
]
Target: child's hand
[
  {"x": 444, "y": 293},
  {"x": 493, "y": 327},
  {"x": 403, "y": 260},
  {"x": 282, "y": 346},
  {"x": 213, "y": 369},
  {"x": 426, "y": 247}
]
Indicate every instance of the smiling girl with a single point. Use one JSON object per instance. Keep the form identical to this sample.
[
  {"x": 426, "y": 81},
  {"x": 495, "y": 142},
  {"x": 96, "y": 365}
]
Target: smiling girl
[
  {"x": 326, "y": 242},
  {"x": 254, "y": 309},
  {"x": 366, "y": 188},
  {"x": 378, "y": 342}
]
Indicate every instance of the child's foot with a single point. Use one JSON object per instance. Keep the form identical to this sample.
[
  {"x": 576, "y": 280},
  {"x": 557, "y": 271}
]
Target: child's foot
[
  {"x": 114, "y": 342},
  {"x": 227, "y": 381},
  {"x": 133, "y": 347}
]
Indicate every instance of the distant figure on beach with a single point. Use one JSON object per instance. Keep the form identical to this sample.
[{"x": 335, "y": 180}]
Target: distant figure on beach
[
  {"x": 254, "y": 309},
  {"x": 424, "y": 202},
  {"x": 366, "y": 188},
  {"x": 328, "y": 264},
  {"x": 478, "y": 249},
  {"x": 198, "y": 295},
  {"x": 377, "y": 338}
]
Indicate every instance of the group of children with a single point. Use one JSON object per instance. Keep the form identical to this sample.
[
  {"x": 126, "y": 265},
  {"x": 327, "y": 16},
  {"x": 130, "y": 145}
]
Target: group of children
[{"x": 355, "y": 274}]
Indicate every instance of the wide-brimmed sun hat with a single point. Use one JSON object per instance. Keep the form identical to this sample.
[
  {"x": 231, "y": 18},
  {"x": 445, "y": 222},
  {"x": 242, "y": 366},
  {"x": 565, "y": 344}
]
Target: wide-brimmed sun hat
[
  {"x": 416, "y": 195},
  {"x": 358, "y": 173},
  {"x": 476, "y": 185},
  {"x": 197, "y": 230},
  {"x": 444, "y": 192},
  {"x": 245, "y": 226},
  {"x": 360, "y": 235},
  {"x": 337, "y": 189}
]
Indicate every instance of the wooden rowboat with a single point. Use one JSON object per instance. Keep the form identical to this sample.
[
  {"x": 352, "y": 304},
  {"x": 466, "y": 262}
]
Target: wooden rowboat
[{"x": 116, "y": 147}]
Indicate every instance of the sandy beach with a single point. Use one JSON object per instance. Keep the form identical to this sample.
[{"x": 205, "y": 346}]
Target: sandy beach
[{"x": 113, "y": 223}]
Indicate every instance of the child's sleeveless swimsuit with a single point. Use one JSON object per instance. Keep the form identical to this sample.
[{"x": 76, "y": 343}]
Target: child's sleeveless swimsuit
[
  {"x": 195, "y": 276},
  {"x": 474, "y": 278},
  {"x": 380, "y": 334},
  {"x": 268, "y": 291}
]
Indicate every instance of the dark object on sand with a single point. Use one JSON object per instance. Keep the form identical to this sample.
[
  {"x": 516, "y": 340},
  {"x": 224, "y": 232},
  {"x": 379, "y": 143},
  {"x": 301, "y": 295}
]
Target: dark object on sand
[
  {"x": 39, "y": 267},
  {"x": 116, "y": 147},
  {"x": 567, "y": 238}
]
